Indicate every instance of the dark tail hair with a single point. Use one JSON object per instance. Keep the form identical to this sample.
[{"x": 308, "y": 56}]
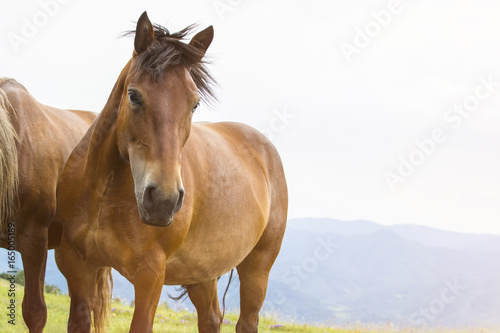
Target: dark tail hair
[
  {"x": 102, "y": 299},
  {"x": 225, "y": 293},
  {"x": 185, "y": 288}
]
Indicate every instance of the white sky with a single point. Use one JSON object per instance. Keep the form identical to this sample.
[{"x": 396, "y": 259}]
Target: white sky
[{"x": 352, "y": 120}]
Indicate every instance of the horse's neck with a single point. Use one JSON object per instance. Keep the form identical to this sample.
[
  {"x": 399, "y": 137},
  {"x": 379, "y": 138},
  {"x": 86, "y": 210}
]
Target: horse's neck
[{"x": 102, "y": 154}]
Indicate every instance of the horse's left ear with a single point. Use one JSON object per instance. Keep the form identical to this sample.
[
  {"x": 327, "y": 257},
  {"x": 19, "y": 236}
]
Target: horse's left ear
[{"x": 202, "y": 41}]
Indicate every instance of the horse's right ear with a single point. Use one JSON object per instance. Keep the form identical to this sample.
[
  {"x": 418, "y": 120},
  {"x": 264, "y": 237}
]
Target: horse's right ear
[{"x": 144, "y": 34}]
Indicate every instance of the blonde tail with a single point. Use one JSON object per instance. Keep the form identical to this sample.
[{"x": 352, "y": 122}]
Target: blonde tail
[
  {"x": 102, "y": 299},
  {"x": 9, "y": 177}
]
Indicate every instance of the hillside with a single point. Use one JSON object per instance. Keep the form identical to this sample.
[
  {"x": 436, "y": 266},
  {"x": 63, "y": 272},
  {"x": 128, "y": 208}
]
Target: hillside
[
  {"x": 168, "y": 320},
  {"x": 343, "y": 273}
]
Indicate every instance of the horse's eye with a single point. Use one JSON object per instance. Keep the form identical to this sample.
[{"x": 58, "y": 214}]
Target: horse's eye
[
  {"x": 195, "y": 107},
  {"x": 134, "y": 97}
]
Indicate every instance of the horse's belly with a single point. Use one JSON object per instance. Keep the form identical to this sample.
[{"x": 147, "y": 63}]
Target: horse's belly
[{"x": 208, "y": 253}]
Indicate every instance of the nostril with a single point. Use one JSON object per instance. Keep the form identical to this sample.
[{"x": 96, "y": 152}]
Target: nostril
[
  {"x": 155, "y": 202},
  {"x": 181, "y": 195},
  {"x": 149, "y": 196},
  {"x": 180, "y": 199}
]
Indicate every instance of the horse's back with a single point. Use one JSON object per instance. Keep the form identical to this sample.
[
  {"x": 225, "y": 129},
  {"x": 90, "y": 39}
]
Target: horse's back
[
  {"x": 249, "y": 145},
  {"x": 34, "y": 118},
  {"x": 234, "y": 136},
  {"x": 87, "y": 116},
  {"x": 46, "y": 137},
  {"x": 248, "y": 153}
]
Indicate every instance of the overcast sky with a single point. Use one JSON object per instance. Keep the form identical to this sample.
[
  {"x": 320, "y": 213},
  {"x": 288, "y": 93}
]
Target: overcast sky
[{"x": 381, "y": 110}]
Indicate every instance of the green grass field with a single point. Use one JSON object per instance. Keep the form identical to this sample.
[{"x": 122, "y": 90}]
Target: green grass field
[{"x": 168, "y": 320}]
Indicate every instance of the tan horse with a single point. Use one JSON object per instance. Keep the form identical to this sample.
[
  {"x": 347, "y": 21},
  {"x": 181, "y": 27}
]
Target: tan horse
[
  {"x": 143, "y": 161},
  {"x": 35, "y": 141}
]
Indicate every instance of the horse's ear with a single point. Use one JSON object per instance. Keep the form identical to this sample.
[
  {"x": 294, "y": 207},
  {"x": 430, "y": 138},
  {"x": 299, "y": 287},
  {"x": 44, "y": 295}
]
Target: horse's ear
[
  {"x": 202, "y": 41},
  {"x": 144, "y": 34}
]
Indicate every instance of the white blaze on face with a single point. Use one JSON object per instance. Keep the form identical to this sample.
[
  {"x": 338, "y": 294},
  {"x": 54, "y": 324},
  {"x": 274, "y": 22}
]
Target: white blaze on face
[{"x": 158, "y": 196}]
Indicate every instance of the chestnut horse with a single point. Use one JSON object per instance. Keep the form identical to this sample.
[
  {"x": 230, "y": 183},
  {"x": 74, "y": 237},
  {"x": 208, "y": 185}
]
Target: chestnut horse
[
  {"x": 143, "y": 161},
  {"x": 35, "y": 141}
]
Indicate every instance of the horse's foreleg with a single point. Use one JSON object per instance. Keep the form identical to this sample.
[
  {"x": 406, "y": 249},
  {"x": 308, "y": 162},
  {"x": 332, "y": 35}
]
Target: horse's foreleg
[
  {"x": 148, "y": 281},
  {"x": 205, "y": 299},
  {"x": 33, "y": 249},
  {"x": 81, "y": 280}
]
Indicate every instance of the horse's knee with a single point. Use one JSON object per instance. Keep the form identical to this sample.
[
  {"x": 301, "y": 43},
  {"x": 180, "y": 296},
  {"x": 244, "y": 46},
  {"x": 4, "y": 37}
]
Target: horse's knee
[
  {"x": 34, "y": 313},
  {"x": 210, "y": 324}
]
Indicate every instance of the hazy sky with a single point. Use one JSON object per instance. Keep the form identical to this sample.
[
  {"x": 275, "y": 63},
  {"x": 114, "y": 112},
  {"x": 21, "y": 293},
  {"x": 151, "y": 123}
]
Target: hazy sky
[{"x": 381, "y": 110}]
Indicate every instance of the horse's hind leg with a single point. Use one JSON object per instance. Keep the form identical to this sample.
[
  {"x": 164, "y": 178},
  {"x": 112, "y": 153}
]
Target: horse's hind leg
[
  {"x": 33, "y": 248},
  {"x": 253, "y": 285},
  {"x": 254, "y": 274},
  {"x": 204, "y": 298}
]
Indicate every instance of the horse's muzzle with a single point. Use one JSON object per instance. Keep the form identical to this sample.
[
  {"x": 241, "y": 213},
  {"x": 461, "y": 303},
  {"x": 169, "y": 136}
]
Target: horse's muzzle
[{"x": 157, "y": 208}]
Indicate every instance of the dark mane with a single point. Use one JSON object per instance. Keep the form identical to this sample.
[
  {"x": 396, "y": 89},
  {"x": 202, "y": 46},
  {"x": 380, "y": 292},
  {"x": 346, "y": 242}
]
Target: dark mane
[{"x": 169, "y": 49}]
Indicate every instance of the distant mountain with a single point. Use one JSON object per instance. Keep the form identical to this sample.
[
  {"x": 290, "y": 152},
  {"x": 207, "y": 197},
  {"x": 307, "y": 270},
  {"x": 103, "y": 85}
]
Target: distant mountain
[
  {"x": 379, "y": 274},
  {"x": 347, "y": 272},
  {"x": 425, "y": 235}
]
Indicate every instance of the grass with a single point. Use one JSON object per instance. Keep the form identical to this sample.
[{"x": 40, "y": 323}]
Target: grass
[{"x": 168, "y": 320}]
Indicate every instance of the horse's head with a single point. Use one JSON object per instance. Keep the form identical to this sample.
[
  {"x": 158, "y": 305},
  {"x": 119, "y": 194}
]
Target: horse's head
[{"x": 161, "y": 92}]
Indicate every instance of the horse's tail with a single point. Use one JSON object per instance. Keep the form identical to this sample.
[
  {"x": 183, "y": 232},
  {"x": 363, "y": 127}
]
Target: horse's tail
[
  {"x": 102, "y": 299},
  {"x": 225, "y": 293},
  {"x": 9, "y": 177}
]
